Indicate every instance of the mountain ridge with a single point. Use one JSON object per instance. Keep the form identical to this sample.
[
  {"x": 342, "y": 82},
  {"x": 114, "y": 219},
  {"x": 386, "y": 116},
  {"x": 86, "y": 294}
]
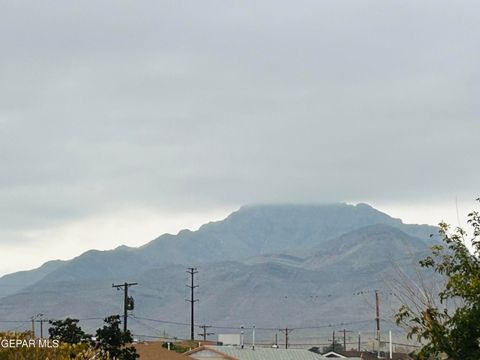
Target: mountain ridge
[
  {"x": 282, "y": 228},
  {"x": 256, "y": 263}
]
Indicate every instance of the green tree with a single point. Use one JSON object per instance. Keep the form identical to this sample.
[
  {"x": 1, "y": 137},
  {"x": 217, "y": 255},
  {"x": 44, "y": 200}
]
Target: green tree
[
  {"x": 67, "y": 331},
  {"x": 113, "y": 340},
  {"x": 450, "y": 331},
  {"x": 331, "y": 347}
]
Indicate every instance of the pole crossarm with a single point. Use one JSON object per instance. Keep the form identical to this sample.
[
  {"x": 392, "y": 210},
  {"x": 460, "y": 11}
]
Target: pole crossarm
[{"x": 125, "y": 287}]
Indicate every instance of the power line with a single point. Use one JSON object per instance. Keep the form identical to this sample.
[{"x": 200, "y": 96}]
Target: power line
[
  {"x": 28, "y": 320},
  {"x": 18, "y": 327},
  {"x": 144, "y": 324},
  {"x": 213, "y": 326},
  {"x": 55, "y": 291},
  {"x": 163, "y": 321},
  {"x": 259, "y": 328},
  {"x": 14, "y": 321},
  {"x": 332, "y": 325}
]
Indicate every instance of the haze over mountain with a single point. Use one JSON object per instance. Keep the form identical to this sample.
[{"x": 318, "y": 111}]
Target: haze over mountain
[{"x": 273, "y": 265}]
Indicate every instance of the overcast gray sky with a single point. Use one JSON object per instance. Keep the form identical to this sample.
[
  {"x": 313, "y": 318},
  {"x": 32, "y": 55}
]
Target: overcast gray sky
[{"x": 120, "y": 120}]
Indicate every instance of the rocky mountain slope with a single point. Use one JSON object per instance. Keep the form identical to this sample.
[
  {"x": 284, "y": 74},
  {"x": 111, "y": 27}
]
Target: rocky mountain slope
[{"x": 276, "y": 266}]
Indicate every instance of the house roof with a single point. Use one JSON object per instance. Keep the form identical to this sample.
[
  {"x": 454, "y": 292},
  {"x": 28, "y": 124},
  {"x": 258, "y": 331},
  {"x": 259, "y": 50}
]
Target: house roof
[
  {"x": 207, "y": 352},
  {"x": 237, "y": 353},
  {"x": 153, "y": 351},
  {"x": 334, "y": 354},
  {"x": 373, "y": 356}
]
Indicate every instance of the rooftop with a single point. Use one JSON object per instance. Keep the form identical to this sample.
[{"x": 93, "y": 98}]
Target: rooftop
[{"x": 235, "y": 352}]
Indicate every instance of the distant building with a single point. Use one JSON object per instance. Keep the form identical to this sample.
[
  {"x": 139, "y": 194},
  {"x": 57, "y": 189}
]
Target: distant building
[
  {"x": 247, "y": 353},
  {"x": 154, "y": 351},
  {"x": 229, "y": 339}
]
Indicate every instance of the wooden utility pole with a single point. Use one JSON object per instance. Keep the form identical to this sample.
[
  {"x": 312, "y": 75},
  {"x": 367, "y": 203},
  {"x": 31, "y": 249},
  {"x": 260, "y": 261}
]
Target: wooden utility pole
[
  {"x": 286, "y": 331},
  {"x": 34, "y": 318},
  {"x": 345, "y": 331},
  {"x": 192, "y": 271},
  {"x": 242, "y": 337},
  {"x": 204, "y": 333},
  {"x": 125, "y": 287},
  {"x": 333, "y": 340},
  {"x": 41, "y": 328},
  {"x": 377, "y": 318},
  {"x": 286, "y": 338}
]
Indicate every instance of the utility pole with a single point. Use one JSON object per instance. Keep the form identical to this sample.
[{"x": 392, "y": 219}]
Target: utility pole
[
  {"x": 333, "y": 341},
  {"x": 242, "y": 337},
  {"x": 41, "y": 328},
  {"x": 192, "y": 271},
  {"x": 34, "y": 318},
  {"x": 286, "y": 331},
  {"x": 390, "y": 347},
  {"x": 377, "y": 318},
  {"x": 345, "y": 338},
  {"x": 125, "y": 287},
  {"x": 205, "y": 333},
  {"x": 359, "y": 336},
  {"x": 253, "y": 338}
]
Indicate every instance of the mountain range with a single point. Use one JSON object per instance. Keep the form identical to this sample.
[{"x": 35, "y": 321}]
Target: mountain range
[{"x": 301, "y": 266}]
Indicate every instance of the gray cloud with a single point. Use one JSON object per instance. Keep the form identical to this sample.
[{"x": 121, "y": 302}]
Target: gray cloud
[{"x": 192, "y": 105}]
